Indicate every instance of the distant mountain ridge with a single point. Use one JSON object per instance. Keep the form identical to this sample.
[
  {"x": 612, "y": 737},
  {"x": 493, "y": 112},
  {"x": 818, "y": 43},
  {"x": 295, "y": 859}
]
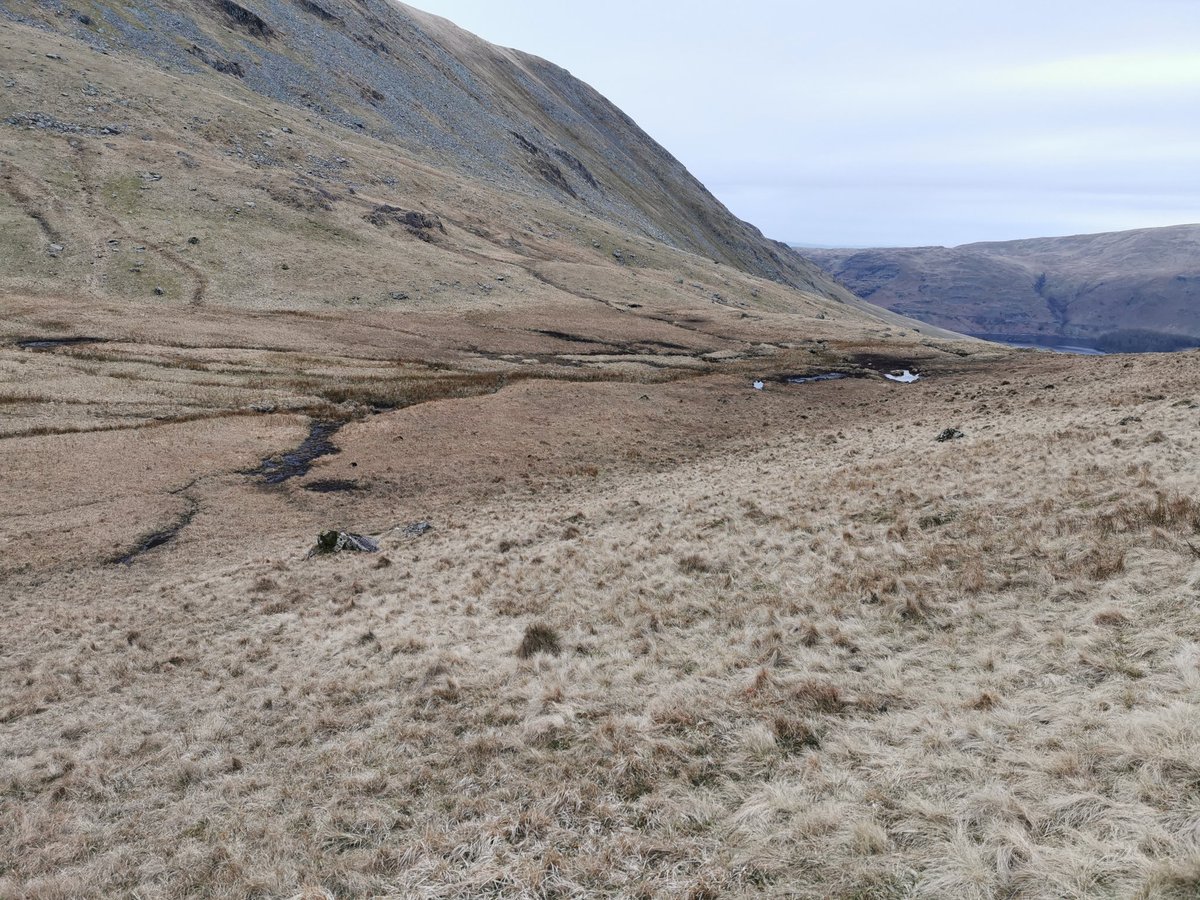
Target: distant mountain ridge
[
  {"x": 441, "y": 95},
  {"x": 1128, "y": 290}
]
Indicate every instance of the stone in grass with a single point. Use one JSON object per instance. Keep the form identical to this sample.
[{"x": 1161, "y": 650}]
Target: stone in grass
[
  {"x": 331, "y": 542},
  {"x": 950, "y": 434}
]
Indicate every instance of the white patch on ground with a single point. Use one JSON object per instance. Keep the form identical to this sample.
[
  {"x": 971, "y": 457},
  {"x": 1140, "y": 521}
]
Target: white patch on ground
[{"x": 905, "y": 377}]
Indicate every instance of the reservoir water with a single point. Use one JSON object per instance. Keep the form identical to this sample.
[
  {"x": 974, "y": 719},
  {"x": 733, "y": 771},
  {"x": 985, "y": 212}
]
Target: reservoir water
[{"x": 1054, "y": 343}]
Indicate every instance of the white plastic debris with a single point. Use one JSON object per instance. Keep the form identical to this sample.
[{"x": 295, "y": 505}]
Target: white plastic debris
[
  {"x": 906, "y": 377},
  {"x": 758, "y": 386}
]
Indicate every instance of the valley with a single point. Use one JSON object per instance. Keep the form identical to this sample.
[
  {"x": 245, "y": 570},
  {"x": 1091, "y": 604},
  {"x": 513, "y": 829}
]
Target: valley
[
  {"x": 1123, "y": 292},
  {"x": 697, "y": 575}
]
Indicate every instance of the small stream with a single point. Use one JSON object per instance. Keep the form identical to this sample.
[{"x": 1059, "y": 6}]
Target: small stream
[
  {"x": 333, "y": 486},
  {"x": 52, "y": 343},
  {"x": 158, "y": 538},
  {"x": 272, "y": 470},
  {"x": 295, "y": 463},
  {"x": 808, "y": 379}
]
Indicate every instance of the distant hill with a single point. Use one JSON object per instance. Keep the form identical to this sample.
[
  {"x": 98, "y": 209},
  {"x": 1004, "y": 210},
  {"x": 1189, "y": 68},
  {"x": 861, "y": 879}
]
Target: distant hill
[{"x": 1121, "y": 291}]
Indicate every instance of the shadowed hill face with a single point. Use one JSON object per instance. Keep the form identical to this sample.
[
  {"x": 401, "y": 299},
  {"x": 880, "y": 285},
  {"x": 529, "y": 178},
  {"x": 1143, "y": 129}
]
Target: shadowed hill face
[
  {"x": 441, "y": 97},
  {"x": 1132, "y": 290}
]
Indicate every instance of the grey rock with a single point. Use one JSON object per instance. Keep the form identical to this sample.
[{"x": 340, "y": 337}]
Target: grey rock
[{"x": 333, "y": 542}]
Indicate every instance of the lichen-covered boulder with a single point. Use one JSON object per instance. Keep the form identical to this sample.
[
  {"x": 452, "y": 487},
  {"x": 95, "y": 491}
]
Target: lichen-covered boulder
[{"x": 329, "y": 542}]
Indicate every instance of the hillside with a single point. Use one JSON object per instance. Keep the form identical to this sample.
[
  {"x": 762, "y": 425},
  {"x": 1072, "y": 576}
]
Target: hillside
[
  {"x": 1122, "y": 291},
  {"x": 210, "y": 248},
  {"x": 310, "y": 111},
  {"x": 676, "y": 593}
]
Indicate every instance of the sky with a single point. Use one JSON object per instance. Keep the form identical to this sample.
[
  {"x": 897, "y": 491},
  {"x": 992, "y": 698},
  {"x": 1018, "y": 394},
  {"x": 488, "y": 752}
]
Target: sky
[{"x": 865, "y": 123}]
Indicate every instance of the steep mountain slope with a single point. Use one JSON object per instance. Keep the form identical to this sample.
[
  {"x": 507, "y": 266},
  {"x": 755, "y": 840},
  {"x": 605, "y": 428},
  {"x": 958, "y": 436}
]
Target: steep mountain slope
[
  {"x": 425, "y": 88},
  {"x": 1130, "y": 290}
]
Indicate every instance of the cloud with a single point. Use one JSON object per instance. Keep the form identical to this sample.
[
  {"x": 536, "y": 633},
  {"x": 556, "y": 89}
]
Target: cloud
[
  {"x": 863, "y": 121},
  {"x": 1118, "y": 71}
]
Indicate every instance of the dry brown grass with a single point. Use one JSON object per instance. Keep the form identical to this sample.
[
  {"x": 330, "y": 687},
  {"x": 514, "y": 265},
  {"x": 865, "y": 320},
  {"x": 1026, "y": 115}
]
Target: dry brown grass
[
  {"x": 1165, "y": 510},
  {"x": 670, "y": 637},
  {"x": 761, "y": 672}
]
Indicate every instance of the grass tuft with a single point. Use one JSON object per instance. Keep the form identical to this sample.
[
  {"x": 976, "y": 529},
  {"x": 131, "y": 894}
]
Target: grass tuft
[
  {"x": 818, "y": 696},
  {"x": 539, "y": 638},
  {"x": 694, "y": 564}
]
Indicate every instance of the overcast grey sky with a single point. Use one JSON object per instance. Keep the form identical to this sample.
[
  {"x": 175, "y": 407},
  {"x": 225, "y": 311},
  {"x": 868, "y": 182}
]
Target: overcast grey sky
[{"x": 897, "y": 122}]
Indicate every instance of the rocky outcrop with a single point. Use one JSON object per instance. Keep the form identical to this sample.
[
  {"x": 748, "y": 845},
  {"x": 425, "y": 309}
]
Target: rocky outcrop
[{"x": 418, "y": 224}]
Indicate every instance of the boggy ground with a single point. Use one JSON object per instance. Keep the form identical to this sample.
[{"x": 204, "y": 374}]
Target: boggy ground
[{"x": 669, "y": 637}]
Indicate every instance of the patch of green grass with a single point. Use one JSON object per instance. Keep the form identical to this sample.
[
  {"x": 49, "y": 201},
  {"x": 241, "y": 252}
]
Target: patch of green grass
[
  {"x": 125, "y": 279},
  {"x": 123, "y": 194},
  {"x": 23, "y": 247},
  {"x": 325, "y": 230}
]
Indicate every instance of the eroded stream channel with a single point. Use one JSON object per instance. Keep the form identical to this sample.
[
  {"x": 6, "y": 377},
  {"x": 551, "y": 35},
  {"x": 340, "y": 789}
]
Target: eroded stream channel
[{"x": 295, "y": 463}]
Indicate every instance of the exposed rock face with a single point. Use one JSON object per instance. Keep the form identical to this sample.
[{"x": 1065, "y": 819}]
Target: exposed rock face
[
  {"x": 1130, "y": 290},
  {"x": 419, "y": 224},
  {"x": 443, "y": 96}
]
